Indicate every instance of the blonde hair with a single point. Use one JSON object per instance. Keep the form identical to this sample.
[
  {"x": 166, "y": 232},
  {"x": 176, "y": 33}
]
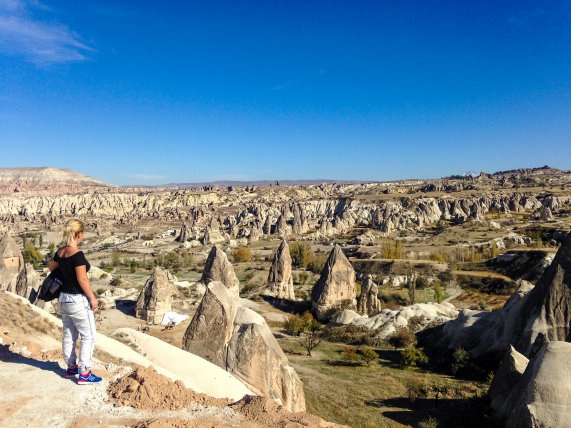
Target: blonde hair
[{"x": 71, "y": 229}]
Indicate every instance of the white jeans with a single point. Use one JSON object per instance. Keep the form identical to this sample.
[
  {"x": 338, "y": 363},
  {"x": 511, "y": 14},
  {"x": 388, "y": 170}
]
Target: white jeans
[{"x": 78, "y": 321}]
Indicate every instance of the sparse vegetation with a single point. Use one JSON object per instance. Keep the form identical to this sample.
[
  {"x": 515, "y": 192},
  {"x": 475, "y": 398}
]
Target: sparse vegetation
[
  {"x": 413, "y": 356},
  {"x": 460, "y": 359},
  {"x": 401, "y": 338},
  {"x": 242, "y": 255}
]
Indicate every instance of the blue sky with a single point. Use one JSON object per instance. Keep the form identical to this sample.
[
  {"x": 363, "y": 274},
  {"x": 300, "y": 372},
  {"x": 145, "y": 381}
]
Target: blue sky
[{"x": 157, "y": 92}]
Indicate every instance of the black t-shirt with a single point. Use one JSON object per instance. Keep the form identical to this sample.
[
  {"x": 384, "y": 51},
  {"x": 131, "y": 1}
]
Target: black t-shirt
[{"x": 67, "y": 267}]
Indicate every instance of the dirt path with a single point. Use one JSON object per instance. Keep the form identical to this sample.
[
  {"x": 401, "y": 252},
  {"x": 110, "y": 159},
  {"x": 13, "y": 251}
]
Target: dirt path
[{"x": 34, "y": 393}]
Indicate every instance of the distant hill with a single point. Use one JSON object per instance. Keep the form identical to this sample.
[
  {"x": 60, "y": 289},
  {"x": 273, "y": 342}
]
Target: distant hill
[{"x": 39, "y": 178}]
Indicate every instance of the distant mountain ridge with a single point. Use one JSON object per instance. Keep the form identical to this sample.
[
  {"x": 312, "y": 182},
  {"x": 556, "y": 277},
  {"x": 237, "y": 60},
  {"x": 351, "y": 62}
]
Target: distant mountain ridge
[{"x": 13, "y": 180}]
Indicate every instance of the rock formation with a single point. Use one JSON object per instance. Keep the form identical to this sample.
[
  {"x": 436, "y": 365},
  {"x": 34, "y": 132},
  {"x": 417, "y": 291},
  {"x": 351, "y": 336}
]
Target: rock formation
[
  {"x": 387, "y": 321},
  {"x": 336, "y": 285},
  {"x": 537, "y": 396},
  {"x": 11, "y": 262},
  {"x": 368, "y": 302},
  {"x": 183, "y": 235},
  {"x": 531, "y": 312},
  {"x": 280, "y": 280},
  {"x": 239, "y": 340},
  {"x": 281, "y": 227},
  {"x": 27, "y": 280},
  {"x": 219, "y": 268},
  {"x": 156, "y": 296}
]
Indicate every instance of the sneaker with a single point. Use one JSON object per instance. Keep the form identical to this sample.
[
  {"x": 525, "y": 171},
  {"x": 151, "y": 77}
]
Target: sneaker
[
  {"x": 87, "y": 379},
  {"x": 72, "y": 372}
]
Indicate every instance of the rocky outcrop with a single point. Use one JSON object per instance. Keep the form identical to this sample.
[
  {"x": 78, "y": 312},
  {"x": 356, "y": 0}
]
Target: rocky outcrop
[
  {"x": 28, "y": 280},
  {"x": 507, "y": 376},
  {"x": 336, "y": 285},
  {"x": 540, "y": 396},
  {"x": 537, "y": 311},
  {"x": 388, "y": 321},
  {"x": 219, "y": 268},
  {"x": 280, "y": 280},
  {"x": 11, "y": 262},
  {"x": 239, "y": 340},
  {"x": 183, "y": 235},
  {"x": 368, "y": 302},
  {"x": 156, "y": 297}
]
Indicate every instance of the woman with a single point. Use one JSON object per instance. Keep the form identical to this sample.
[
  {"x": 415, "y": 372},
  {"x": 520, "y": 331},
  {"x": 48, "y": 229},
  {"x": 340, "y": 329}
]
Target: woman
[{"x": 77, "y": 304}]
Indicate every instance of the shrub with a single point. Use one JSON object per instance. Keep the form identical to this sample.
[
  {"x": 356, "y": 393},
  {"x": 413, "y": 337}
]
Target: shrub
[
  {"x": 302, "y": 278},
  {"x": 412, "y": 356},
  {"x": 401, "y": 338},
  {"x": 415, "y": 388},
  {"x": 368, "y": 355},
  {"x": 100, "y": 291},
  {"x": 297, "y": 324},
  {"x": 460, "y": 359},
  {"x": 483, "y": 305},
  {"x": 350, "y": 355},
  {"x": 421, "y": 282},
  {"x": 115, "y": 260},
  {"x": 115, "y": 282},
  {"x": 429, "y": 422},
  {"x": 243, "y": 255}
]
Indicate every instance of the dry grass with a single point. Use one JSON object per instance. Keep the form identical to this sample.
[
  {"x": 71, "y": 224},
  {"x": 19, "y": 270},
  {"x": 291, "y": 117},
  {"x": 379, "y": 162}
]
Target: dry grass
[{"x": 18, "y": 316}]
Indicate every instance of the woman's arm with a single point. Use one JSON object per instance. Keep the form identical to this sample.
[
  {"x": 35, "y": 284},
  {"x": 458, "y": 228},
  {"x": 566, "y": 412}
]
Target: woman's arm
[
  {"x": 53, "y": 265},
  {"x": 85, "y": 285}
]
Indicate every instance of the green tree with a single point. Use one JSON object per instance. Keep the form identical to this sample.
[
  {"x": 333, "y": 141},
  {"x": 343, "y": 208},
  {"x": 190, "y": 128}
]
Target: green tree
[
  {"x": 301, "y": 254},
  {"x": 411, "y": 284},
  {"x": 412, "y": 356},
  {"x": 438, "y": 293},
  {"x": 31, "y": 254}
]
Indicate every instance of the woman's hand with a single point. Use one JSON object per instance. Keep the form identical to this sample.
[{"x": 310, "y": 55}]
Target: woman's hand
[{"x": 94, "y": 304}]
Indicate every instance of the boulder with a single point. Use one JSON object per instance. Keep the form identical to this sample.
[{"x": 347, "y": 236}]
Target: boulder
[
  {"x": 156, "y": 296},
  {"x": 368, "y": 302},
  {"x": 219, "y": 268},
  {"x": 336, "y": 285},
  {"x": 237, "y": 339},
  {"x": 280, "y": 280}
]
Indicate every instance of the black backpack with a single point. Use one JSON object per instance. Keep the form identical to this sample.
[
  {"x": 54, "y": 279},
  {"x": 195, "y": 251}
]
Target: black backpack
[{"x": 51, "y": 287}]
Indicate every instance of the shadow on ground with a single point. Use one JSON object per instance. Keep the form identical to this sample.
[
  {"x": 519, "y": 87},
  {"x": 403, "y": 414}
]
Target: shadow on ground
[
  {"x": 8, "y": 356},
  {"x": 291, "y": 306},
  {"x": 126, "y": 306},
  {"x": 450, "y": 413}
]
